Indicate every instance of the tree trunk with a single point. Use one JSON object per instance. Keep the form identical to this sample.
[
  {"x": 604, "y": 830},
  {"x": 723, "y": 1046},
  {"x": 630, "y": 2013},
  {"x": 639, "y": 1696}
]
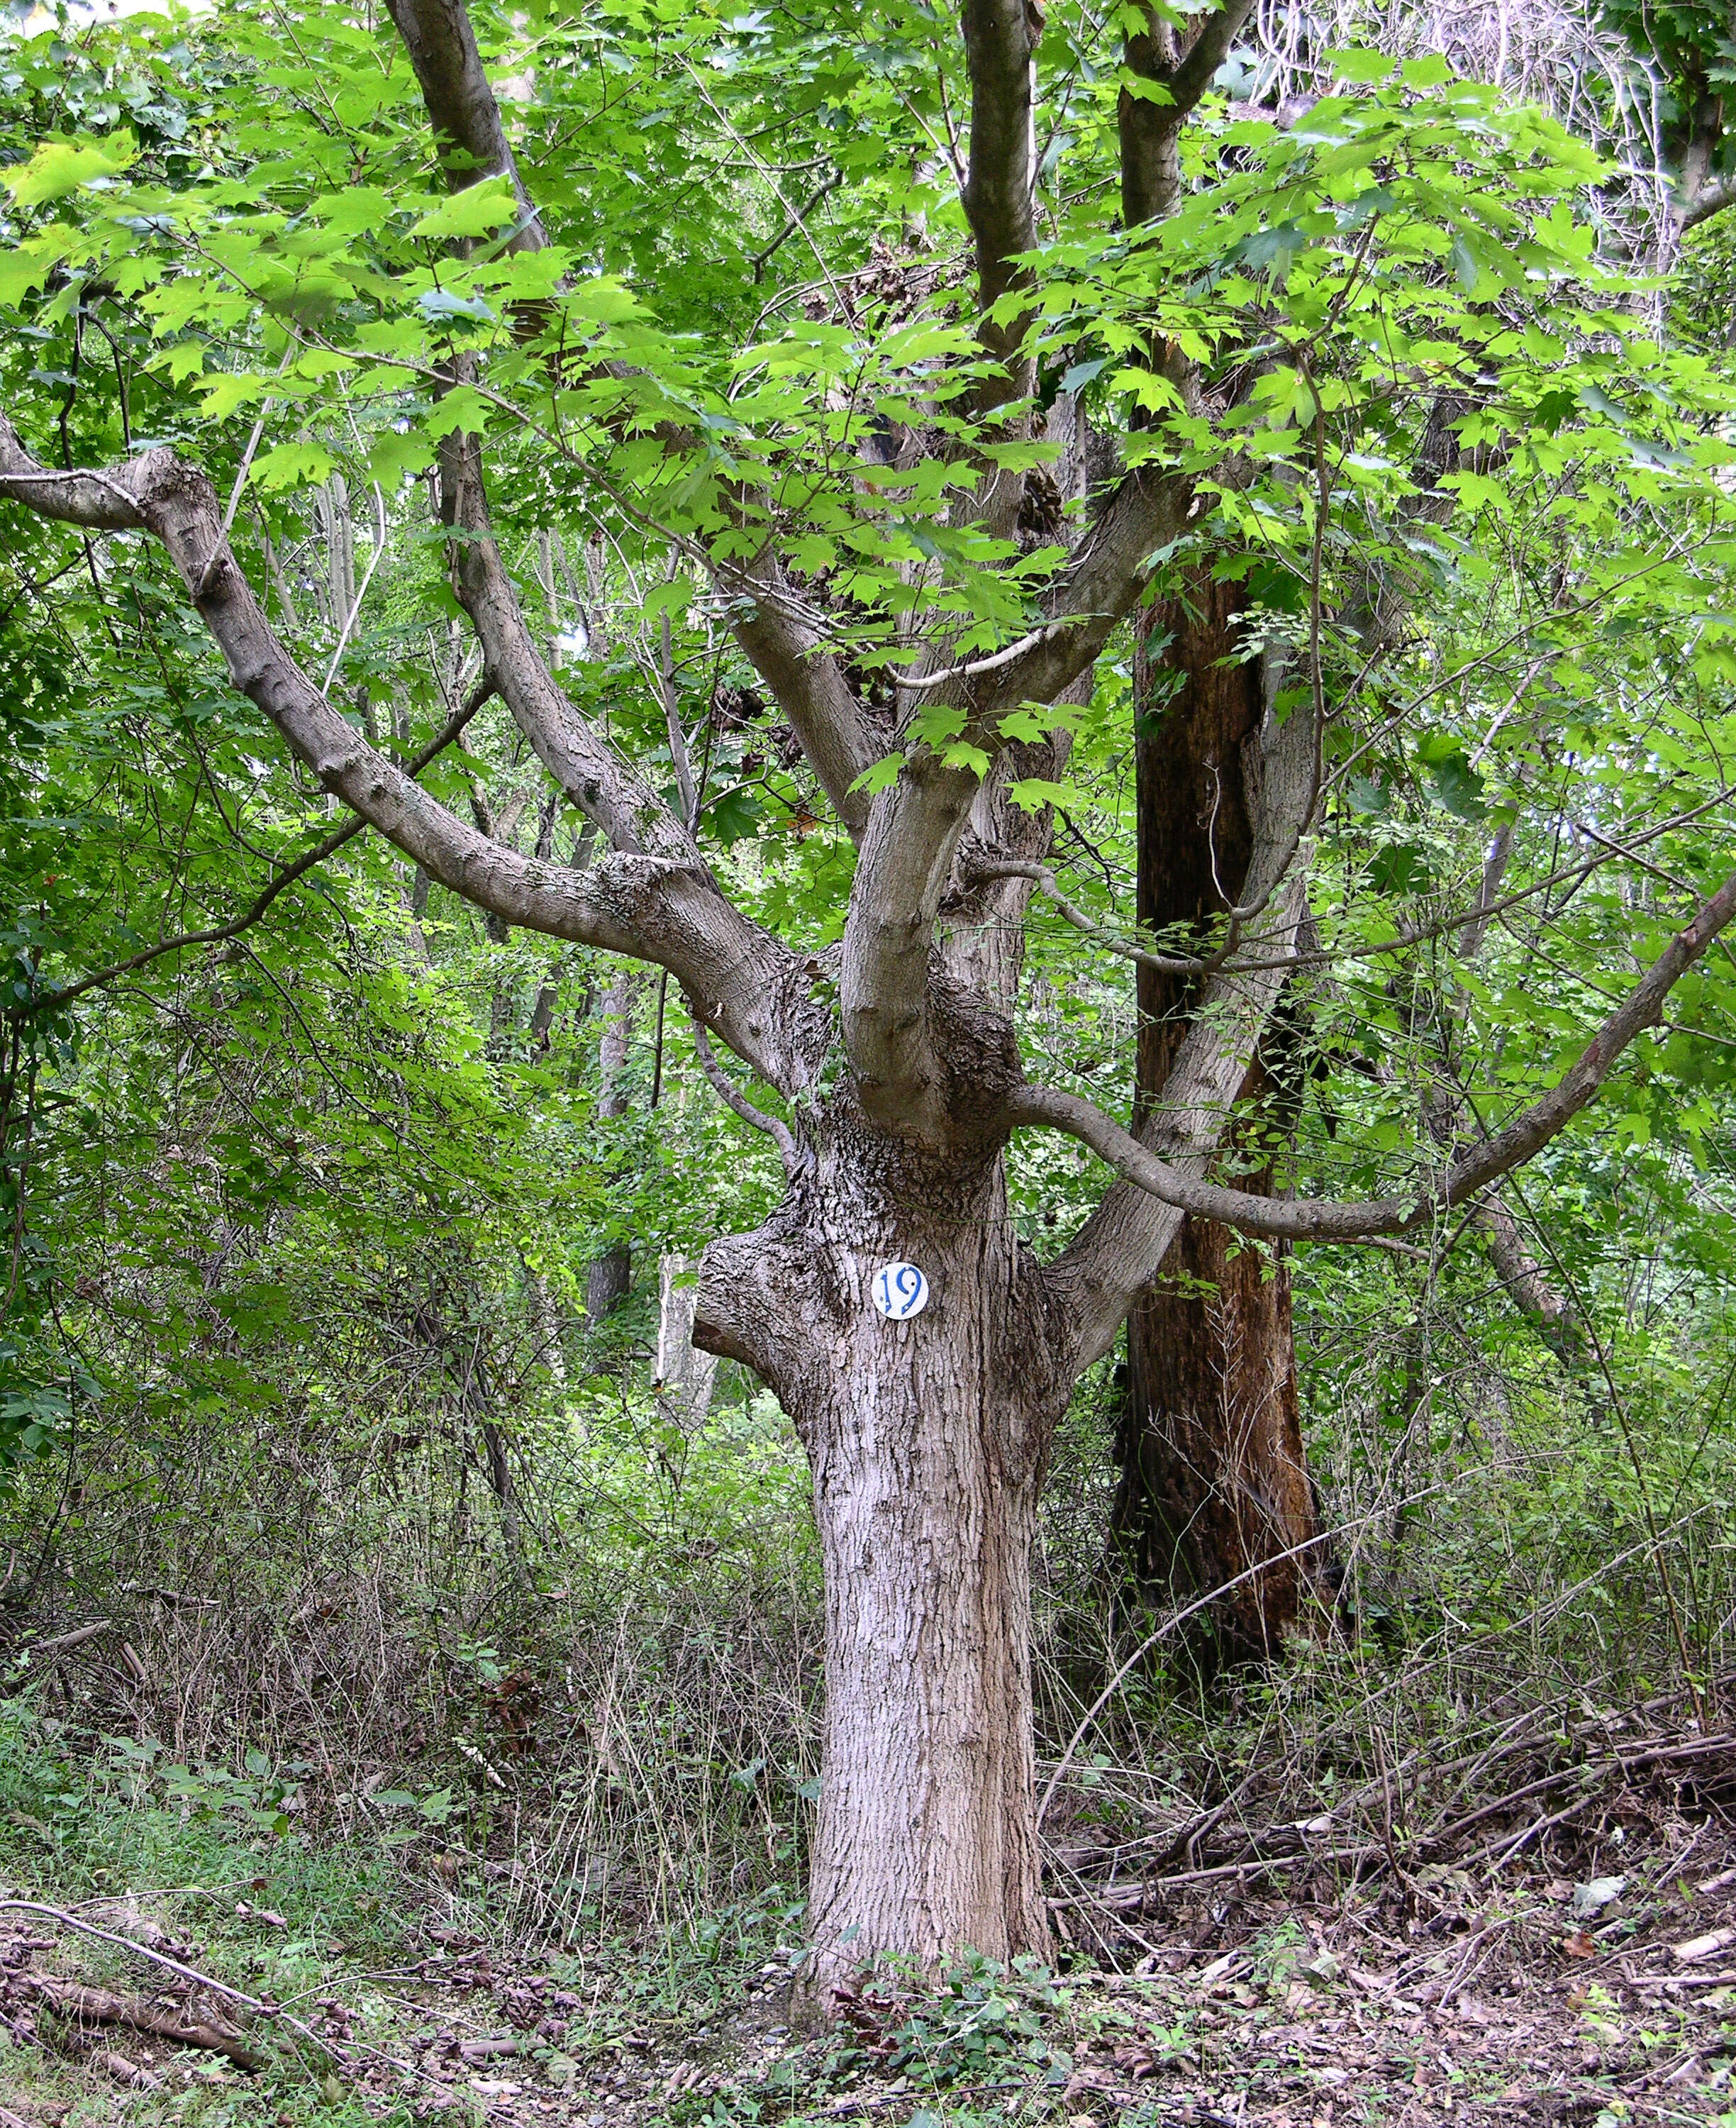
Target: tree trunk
[
  {"x": 1212, "y": 1474},
  {"x": 608, "y": 1277},
  {"x": 928, "y": 1440},
  {"x": 926, "y": 1841},
  {"x": 608, "y": 1281},
  {"x": 685, "y": 1375}
]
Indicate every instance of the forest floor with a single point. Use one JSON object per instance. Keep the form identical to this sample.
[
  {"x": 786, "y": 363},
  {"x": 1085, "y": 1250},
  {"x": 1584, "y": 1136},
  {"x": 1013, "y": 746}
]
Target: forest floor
[{"x": 1515, "y": 1998}]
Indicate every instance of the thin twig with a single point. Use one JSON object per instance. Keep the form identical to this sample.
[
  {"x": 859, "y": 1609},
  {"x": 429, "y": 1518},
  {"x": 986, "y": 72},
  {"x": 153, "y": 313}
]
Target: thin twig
[
  {"x": 1192, "y": 1610},
  {"x": 221, "y": 541}
]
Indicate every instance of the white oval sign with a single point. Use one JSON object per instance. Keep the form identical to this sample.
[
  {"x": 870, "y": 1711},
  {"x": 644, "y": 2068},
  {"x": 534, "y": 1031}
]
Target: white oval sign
[{"x": 900, "y": 1291}]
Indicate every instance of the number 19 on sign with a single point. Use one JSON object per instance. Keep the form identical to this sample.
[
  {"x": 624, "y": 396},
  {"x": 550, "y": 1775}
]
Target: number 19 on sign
[{"x": 900, "y": 1291}]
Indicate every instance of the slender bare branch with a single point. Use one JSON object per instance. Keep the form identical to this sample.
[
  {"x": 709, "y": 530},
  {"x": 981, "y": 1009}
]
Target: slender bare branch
[
  {"x": 218, "y": 934},
  {"x": 732, "y": 1096},
  {"x": 1479, "y": 1164}
]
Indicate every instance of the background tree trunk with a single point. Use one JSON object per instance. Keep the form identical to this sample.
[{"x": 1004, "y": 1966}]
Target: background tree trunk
[
  {"x": 608, "y": 1277},
  {"x": 684, "y": 1374},
  {"x": 1212, "y": 1476}
]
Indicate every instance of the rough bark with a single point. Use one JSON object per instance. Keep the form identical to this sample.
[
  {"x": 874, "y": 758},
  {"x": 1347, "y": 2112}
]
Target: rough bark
[
  {"x": 1168, "y": 68},
  {"x": 927, "y": 1441},
  {"x": 1212, "y": 1473}
]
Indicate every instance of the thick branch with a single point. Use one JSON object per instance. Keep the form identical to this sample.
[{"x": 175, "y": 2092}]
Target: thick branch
[
  {"x": 1150, "y": 125},
  {"x": 1119, "y": 1248},
  {"x": 467, "y": 119},
  {"x": 1712, "y": 198},
  {"x": 915, "y": 824},
  {"x": 1479, "y": 1164},
  {"x": 1000, "y": 190},
  {"x": 883, "y": 985},
  {"x": 653, "y": 909},
  {"x": 1098, "y": 588},
  {"x": 834, "y": 729}
]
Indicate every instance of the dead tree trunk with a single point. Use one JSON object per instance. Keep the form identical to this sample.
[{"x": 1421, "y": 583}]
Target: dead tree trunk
[{"x": 1212, "y": 1476}]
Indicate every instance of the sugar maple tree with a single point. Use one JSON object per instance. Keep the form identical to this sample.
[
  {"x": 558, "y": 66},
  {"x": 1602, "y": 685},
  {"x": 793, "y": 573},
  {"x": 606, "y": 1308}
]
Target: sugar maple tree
[{"x": 1068, "y": 327}]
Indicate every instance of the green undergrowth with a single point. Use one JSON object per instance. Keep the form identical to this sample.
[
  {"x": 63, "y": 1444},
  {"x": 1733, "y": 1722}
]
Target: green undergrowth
[
  {"x": 136, "y": 1847},
  {"x": 362, "y": 1937},
  {"x": 122, "y": 1821},
  {"x": 990, "y": 2039},
  {"x": 111, "y": 1833},
  {"x": 205, "y": 1864}
]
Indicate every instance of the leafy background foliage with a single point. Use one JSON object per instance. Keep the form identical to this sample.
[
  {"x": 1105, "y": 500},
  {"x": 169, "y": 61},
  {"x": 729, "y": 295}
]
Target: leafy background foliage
[{"x": 295, "y": 1219}]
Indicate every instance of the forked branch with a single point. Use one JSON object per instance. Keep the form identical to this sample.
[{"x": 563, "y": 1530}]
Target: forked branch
[
  {"x": 807, "y": 682},
  {"x": 1164, "y": 80}
]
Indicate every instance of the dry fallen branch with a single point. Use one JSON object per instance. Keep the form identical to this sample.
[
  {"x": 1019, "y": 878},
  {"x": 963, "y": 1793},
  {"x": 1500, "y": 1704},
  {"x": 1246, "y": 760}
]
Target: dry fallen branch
[
  {"x": 123, "y": 2071},
  {"x": 64, "y": 1643},
  {"x": 1598, "y": 1761},
  {"x": 96, "y": 2005},
  {"x": 273, "y": 2012},
  {"x": 482, "y": 2050},
  {"x": 1671, "y": 1980},
  {"x": 199, "y": 1979}
]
